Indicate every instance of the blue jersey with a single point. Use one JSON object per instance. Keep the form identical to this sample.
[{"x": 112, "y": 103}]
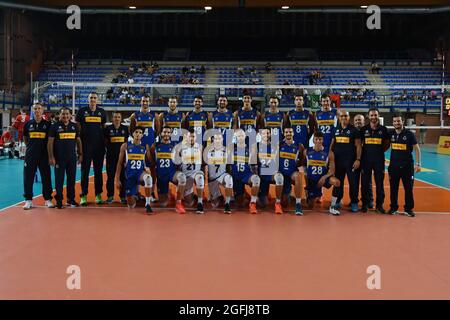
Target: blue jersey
[
  {"x": 317, "y": 164},
  {"x": 147, "y": 121},
  {"x": 326, "y": 124},
  {"x": 163, "y": 157},
  {"x": 173, "y": 120},
  {"x": 274, "y": 121},
  {"x": 241, "y": 159},
  {"x": 135, "y": 160},
  {"x": 299, "y": 123},
  {"x": 197, "y": 121},
  {"x": 289, "y": 155},
  {"x": 247, "y": 119},
  {"x": 267, "y": 160},
  {"x": 222, "y": 121}
]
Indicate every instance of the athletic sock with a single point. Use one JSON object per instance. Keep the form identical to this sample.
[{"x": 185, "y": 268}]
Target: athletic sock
[
  {"x": 298, "y": 200},
  {"x": 254, "y": 198},
  {"x": 200, "y": 200},
  {"x": 227, "y": 199},
  {"x": 178, "y": 201},
  {"x": 277, "y": 201},
  {"x": 148, "y": 201},
  {"x": 333, "y": 201}
]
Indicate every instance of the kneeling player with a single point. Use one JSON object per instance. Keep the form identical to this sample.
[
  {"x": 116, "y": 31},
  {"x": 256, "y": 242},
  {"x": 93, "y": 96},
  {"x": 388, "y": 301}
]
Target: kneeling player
[
  {"x": 268, "y": 170},
  {"x": 188, "y": 155},
  {"x": 320, "y": 171},
  {"x": 245, "y": 169},
  {"x": 161, "y": 154},
  {"x": 217, "y": 172},
  {"x": 132, "y": 158},
  {"x": 290, "y": 159}
]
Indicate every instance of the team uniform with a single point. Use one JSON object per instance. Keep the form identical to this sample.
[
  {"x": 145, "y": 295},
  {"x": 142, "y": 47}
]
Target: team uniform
[
  {"x": 401, "y": 167},
  {"x": 173, "y": 120},
  {"x": 114, "y": 137},
  {"x": 165, "y": 167},
  {"x": 274, "y": 121},
  {"x": 373, "y": 159},
  {"x": 299, "y": 123},
  {"x": 344, "y": 157},
  {"x": 36, "y": 156},
  {"x": 326, "y": 123},
  {"x": 247, "y": 120},
  {"x": 191, "y": 165},
  {"x": 217, "y": 172},
  {"x": 93, "y": 143},
  {"x": 223, "y": 121},
  {"x": 317, "y": 167},
  {"x": 65, "y": 156},
  {"x": 197, "y": 121},
  {"x": 134, "y": 167},
  {"x": 146, "y": 120},
  {"x": 267, "y": 166},
  {"x": 241, "y": 169},
  {"x": 288, "y": 157}
]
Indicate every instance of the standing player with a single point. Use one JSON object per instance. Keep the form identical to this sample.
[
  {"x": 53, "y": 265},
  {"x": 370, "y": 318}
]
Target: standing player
[
  {"x": 172, "y": 118},
  {"x": 217, "y": 172},
  {"x": 326, "y": 121},
  {"x": 147, "y": 120},
  {"x": 132, "y": 159},
  {"x": 247, "y": 118},
  {"x": 115, "y": 135},
  {"x": 320, "y": 171},
  {"x": 161, "y": 155},
  {"x": 244, "y": 169},
  {"x": 91, "y": 122},
  {"x": 291, "y": 155},
  {"x": 268, "y": 170},
  {"x": 63, "y": 145},
  {"x": 273, "y": 119},
  {"x": 401, "y": 166},
  {"x": 346, "y": 146},
  {"x": 197, "y": 120},
  {"x": 188, "y": 155},
  {"x": 35, "y": 135},
  {"x": 299, "y": 119},
  {"x": 375, "y": 143},
  {"x": 222, "y": 118}
]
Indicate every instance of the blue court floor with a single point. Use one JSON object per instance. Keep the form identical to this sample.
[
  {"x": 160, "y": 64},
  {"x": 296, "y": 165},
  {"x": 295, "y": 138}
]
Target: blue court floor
[{"x": 435, "y": 171}]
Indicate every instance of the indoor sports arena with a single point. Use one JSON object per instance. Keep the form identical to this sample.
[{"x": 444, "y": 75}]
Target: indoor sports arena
[{"x": 224, "y": 150}]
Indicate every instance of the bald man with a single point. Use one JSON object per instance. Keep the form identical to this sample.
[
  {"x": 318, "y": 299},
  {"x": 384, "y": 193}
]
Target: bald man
[
  {"x": 346, "y": 145},
  {"x": 359, "y": 121}
]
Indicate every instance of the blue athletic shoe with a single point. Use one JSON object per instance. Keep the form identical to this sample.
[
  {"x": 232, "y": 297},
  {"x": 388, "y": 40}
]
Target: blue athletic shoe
[
  {"x": 354, "y": 207},
  {"x": 298, "y": 209}
]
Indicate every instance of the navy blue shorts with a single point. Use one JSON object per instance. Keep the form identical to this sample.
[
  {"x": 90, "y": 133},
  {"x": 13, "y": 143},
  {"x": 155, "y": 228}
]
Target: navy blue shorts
[
  {"x": 240, "y": 181},
  {"x": 313, "y": 191},
  {"x": 162, "y": 182},
  {"x": 132, "y": 185}
]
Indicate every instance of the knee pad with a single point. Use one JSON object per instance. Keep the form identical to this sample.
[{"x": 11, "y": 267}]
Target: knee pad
[
  {"x": 199, "y": 180},
  {"x": 279, "y": 179},
  {"x": 181, "y": 178},
  {"x": 147, "y": 180},
  {"x": 255, "y": 180},
  {"x": 228, "y": 181}
]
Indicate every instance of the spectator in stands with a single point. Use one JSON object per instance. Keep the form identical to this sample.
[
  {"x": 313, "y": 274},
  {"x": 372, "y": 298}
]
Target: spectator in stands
[
  {"x": 253, "y": 72},
  {"x": 202, "y": 69},
  {"x": 184, "y": 70},
  {"x": 130, "y": 80},
  {"x": 240, "y": 71},
  {"x": 109, "y": 94},
  {"x": 124, "y": 96},
  {"x": 193, "y": 70},
  {"x": 279, "y": 94},
  {"x": 422, "y": 133},
  {"x": 374, "y": 68},
  {"x": 52, "y": 98},
  {"x": 268, "y": 67}
]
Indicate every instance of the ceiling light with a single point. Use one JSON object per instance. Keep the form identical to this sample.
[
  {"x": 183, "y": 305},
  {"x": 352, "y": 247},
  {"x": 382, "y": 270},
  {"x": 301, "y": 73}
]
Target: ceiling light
[
  {"x": 285, "y": 7},
  {"x": 132, "y": 7},
  {"x": 207, "y": 8}
]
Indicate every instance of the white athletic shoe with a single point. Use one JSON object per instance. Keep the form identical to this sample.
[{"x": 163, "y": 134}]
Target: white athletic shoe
[
  {"x": 49, "y": 204},
  {"x": 334, "y": 211},
  {"x": 28, "y": 205}
]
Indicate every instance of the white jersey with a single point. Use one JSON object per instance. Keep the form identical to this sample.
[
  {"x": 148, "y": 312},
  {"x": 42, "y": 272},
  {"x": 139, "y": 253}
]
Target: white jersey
[
  {"x": 217, "y": 160},
  {"x": 191, "y": 159}
]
